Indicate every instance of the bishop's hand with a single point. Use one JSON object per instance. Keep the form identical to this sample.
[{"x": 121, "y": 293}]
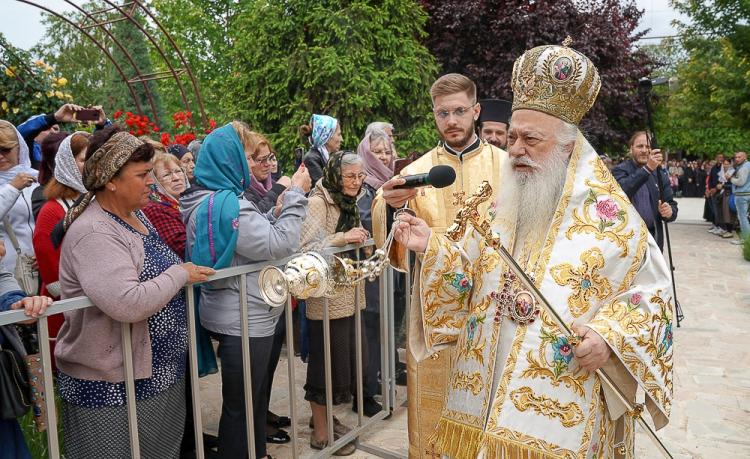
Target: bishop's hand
[
  {"x": 412, "y": 232},
  {"x": 592, "y": 352}
]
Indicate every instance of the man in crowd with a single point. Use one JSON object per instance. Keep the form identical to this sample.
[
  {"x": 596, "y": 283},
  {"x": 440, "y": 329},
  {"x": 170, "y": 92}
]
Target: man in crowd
[
  {"x": 741, "y": 185},
  {"x": 493, "y": 121},
  {"x": 519, "y": 387},
  {"x": 713, "y": 191},
  {"x": 456, "y": 111},
  {"x": 647, "y": 185}
]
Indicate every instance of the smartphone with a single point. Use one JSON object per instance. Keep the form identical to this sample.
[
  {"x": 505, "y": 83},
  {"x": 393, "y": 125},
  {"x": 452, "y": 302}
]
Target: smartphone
[{"x": 87, "y": 114}]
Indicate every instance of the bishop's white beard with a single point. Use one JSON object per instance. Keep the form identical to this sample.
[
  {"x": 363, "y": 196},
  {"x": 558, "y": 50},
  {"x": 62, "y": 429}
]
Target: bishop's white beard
[{"x": 530, "y": 198}]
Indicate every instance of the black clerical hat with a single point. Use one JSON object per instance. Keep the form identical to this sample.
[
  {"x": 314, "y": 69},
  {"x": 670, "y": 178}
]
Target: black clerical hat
[{"x": 495, "y": 110}]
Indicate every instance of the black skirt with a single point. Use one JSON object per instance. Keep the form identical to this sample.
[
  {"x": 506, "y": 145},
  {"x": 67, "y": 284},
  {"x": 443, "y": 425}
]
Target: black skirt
[{"x": 343, "y": 362}]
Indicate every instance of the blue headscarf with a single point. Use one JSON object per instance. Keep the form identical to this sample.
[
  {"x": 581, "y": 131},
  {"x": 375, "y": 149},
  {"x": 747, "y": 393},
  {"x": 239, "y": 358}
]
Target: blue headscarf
[
  {"x": 222, "y": 168},
  {"x": 323, "y": 127}
]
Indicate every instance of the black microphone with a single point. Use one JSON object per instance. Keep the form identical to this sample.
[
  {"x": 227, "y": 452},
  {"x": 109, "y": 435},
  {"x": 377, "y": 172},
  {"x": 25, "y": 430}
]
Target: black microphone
[{"x": 438, "y": 177}]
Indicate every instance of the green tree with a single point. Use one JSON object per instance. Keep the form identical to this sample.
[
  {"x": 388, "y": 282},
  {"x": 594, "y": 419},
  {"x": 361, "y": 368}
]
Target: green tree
[
  {"x": 202, "y": 30},
  {"x": 709, "y": 112},
  {"x": 355, "y": 60},
  {"x": 93, "y": 78}
]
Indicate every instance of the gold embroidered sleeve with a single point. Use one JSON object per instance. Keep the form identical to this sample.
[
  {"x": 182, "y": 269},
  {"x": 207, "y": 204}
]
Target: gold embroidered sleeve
[
  {"x": 446, "y": 277},
  {"x": 637, "y": 325}
]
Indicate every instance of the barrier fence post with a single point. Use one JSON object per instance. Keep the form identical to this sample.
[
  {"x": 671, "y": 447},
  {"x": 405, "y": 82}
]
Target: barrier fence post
[
  {"x": 246, "y": 371},
  {"x": 53, "y": 442},
  {"x": 385, "y": 349},
  {"x": 127, "y": 360},
  {"x": 292, "y": 380},
  {"x": 358, "y": 349},
  {"x": 327, "y": 364},
  {"x": 194, "y": 383}
]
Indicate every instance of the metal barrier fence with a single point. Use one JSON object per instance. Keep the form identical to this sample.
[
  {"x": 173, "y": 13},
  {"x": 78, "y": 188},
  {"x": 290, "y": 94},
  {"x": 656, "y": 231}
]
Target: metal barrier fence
[{"x": 388, "y": 363}]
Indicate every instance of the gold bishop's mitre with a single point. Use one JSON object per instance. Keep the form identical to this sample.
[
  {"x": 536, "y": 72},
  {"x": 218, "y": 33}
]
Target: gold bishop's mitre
[{"x": 556, "y": 80}]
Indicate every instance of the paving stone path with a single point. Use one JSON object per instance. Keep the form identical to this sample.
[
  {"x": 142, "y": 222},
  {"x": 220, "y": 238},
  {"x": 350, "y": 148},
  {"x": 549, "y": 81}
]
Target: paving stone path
[{"x": 711, "y": 410}]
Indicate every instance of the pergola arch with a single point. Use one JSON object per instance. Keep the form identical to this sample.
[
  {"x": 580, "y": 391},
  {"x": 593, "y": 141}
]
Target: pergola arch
[{"x": 128, "y": 71}]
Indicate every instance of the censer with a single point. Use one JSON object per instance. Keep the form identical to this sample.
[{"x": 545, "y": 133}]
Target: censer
[{"x": 313, "y": 275}]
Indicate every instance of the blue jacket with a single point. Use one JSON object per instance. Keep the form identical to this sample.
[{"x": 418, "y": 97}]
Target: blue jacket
[
  {"x": 632, "y": 177},
  {"x": 31, "y": 128}
]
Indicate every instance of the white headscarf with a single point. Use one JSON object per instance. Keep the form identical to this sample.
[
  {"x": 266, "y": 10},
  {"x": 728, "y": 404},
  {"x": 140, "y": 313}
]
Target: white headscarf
[
  {"x": 66, "y": 170},
  {"x": 24, "y": 162}
]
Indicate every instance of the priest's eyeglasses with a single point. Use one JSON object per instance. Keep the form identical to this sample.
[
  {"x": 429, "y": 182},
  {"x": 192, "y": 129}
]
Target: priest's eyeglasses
[{"x": 459, "y": 112}]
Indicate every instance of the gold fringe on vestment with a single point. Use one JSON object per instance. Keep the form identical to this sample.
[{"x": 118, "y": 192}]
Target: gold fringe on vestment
[
  {"x": 459, "y": 441},
  {"x": 497, "y": 448}
]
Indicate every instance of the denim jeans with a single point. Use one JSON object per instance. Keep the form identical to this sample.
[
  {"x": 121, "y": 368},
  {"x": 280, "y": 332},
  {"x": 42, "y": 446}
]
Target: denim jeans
[{"x": 742, "y": 203}]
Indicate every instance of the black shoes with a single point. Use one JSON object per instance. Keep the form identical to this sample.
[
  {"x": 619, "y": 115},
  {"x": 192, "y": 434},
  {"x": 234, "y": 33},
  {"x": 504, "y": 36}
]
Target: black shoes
[
  {"x": 369, "y": 407},
  {"x": 278, "y": 437}
]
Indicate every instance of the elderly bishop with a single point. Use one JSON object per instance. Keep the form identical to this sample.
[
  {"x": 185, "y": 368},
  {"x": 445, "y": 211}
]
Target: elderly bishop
[{"x": 518, "y": 386}]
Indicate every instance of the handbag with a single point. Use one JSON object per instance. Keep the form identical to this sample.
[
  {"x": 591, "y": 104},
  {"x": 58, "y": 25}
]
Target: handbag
[
  {"x": 25, "y": 273},
  {"x": 14, "y": 386}
]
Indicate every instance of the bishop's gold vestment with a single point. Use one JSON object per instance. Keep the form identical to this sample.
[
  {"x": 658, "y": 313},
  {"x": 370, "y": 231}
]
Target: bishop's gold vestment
[
  {"x": 516, "y": 390},
  {"x": 427, "y": 379}
]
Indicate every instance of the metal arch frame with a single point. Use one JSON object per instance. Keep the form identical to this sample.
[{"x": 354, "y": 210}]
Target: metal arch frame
[
  {"x": 128, "y": 56},
  {"x": 96, "y": 42},
  {"x": 125, "y": 15}
]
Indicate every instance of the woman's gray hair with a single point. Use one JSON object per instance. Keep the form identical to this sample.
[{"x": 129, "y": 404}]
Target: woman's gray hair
[
  {"x": 378, "y": 126},
  {"x": 350, "y": 158},
  {"x": 378, "y": 134}
]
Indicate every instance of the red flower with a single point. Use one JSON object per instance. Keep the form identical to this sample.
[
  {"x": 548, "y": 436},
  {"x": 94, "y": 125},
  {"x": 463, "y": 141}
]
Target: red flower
[
  {"x": 165, "y": 138},
  {"x": 118, "y": 114},
  {"x": 155, "y": 129},
  {"x": 212, "y": 123}
]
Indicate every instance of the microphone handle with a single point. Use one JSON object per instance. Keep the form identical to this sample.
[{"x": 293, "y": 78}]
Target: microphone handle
[{"x": 414, "y": 181}]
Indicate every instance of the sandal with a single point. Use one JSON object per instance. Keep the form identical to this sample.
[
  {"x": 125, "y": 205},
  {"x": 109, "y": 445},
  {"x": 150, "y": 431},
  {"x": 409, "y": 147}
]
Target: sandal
[
  {"x": 346, "y": 450},
  {"x": 338, "y": 427}
]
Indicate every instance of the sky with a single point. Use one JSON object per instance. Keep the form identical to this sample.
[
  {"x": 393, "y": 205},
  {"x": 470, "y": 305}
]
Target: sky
[{"x": 21, "y": 23}]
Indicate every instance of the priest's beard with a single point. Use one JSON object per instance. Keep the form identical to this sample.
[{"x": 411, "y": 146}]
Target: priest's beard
[{"x": 530, "y": 198}]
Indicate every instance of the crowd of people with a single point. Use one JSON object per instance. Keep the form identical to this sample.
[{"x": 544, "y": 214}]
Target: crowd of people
[
  {"x": 129, "y": 222},
  {"x": 722, "y": 182}
]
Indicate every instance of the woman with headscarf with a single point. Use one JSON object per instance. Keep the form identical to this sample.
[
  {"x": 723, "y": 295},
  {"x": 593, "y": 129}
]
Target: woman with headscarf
[
  {"x": 17, "y": 183},
  {"x": 61, "y": 191},
  {"x": 112, "y": 254},
  {"x": 185, "y": 157},
  {"x": 376, "y": 151},
  {"x": 333, "y": 221},
  {"x": 324, "y": 135},
  {"x": 50, "y": 145},
  {"x": 225, "y": 229}
]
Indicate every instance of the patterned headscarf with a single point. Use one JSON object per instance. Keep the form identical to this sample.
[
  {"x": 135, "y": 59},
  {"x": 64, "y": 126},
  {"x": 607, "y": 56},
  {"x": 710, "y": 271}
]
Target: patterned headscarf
[
  {"x": 222, "y": 168},
  {"x": 24, "y": 162},
  {"x": 66, "y": 169},
  {"x": 333, "y": 183},
  {"x": 100, "y": 168},
  {"x": 323, "y": 128}
]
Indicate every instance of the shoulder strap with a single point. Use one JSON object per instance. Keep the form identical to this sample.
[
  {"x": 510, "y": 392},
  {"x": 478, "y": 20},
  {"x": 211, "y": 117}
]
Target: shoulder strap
[{"x": 11, "y": 234}]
